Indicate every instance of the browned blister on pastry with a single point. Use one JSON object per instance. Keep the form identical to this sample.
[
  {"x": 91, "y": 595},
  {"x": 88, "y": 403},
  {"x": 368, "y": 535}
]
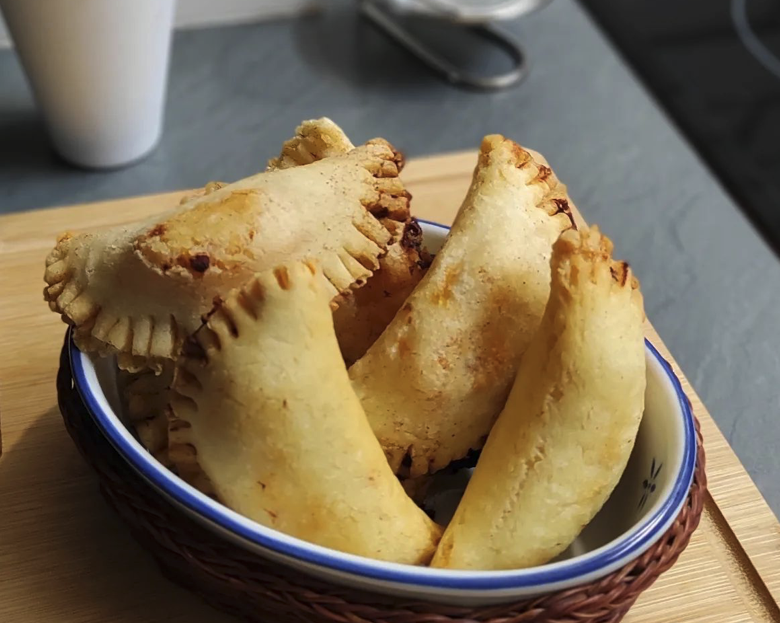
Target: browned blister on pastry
[
  {"x": 565, "y": 435},
  {"x": 139, "y": 291},
  {"x": 435, "y": 380},
  {"x": 265, "y": 401}
]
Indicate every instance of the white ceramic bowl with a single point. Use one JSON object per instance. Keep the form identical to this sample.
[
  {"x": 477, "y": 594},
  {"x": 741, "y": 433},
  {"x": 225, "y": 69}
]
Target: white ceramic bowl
[{"x": 650, "y": 495}]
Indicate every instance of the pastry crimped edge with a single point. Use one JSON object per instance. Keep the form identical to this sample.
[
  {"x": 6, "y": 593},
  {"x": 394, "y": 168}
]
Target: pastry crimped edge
[
  {"x": 360, "y": 319},
  {"x": 314, "y": 140},
  {"x": 409, "y": 454},
  {"x": 564, "y": 438},
  {"x": 144, "y": 340},
  {"x": 234, "y": 320}
]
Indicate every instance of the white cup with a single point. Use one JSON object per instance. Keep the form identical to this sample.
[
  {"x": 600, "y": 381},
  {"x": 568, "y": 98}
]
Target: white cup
[{"x": 98, "y": 69}]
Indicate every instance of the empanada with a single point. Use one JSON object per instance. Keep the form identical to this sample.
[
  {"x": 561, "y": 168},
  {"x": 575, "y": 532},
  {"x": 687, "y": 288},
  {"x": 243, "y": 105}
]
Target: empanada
[
  {"x": 361, "y": 318},
  {"x": 435, "y": 380},
  {"x": 272, "y": 419},
  {"x": 314, "y": 140},
  {"x": 563, "y": 440},
  {"x": 146, "y": 397},
  {"x": 183, "y": 455},
  {"x": 139, "y": 291}
]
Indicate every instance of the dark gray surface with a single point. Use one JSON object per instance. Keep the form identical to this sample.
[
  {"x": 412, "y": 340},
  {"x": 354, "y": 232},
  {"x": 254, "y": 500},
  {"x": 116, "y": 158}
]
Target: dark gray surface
[{"x": 712, "y": 287}]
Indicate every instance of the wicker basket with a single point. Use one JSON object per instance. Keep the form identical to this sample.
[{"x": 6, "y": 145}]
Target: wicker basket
[{"x": 238, "y": 582}]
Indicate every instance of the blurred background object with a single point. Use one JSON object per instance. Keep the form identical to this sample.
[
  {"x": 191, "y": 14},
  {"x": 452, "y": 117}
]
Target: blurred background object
[
  {"x": 468, "y": 11},
  {"x": 715, "y": 66},
  {"x": 98, "y": 71},
  {"x": 399, "y": 19},
  {"x": 205, "y": 13}
]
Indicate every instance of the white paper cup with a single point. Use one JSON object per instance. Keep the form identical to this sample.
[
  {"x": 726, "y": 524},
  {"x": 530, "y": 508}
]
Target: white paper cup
[{"x": 98, "y": 69}]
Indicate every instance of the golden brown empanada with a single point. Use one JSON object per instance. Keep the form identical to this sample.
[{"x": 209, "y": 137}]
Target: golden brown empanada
[
  {"x": 274, "y": 422},
  {"x": 314, "y": 140},
  {"x": 361, "y": 318},
  {"x": 146, "y": 397},
  {"x": 563, "y": 440},
  {"x": 435, "y": 380},
  {"x": 140, "y": 290},
  {"x": 183, "y": 456}
]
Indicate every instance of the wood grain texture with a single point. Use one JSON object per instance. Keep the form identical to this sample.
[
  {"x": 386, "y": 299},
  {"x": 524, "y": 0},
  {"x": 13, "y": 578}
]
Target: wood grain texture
[{"x": 65, "y": 557}]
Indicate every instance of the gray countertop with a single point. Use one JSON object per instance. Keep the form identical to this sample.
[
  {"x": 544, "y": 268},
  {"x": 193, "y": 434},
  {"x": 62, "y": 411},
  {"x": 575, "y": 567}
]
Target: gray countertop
[{"x": 712, "y": 287}]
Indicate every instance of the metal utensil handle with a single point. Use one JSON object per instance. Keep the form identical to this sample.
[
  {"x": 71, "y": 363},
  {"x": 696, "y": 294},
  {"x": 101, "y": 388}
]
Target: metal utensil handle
[
  {"x": 454, "y": 74},
  {"x": 475, "y": 12}
]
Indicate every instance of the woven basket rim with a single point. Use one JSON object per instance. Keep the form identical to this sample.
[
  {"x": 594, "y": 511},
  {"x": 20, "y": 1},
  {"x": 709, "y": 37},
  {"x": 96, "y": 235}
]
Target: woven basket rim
[{"x": 232, "y": 578}]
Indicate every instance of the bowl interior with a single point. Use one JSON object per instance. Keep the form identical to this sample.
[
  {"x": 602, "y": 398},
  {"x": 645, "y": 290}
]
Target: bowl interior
[
  {"x": 649, "y": 496},
  {"x": 647, "y": 481}
]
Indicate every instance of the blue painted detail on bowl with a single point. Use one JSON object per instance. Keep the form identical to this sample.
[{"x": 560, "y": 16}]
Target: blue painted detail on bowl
[
  {"x": 434, "y": 223},
  {"x": 481, "y": 581},
  {"x": 648, "y": 484}
]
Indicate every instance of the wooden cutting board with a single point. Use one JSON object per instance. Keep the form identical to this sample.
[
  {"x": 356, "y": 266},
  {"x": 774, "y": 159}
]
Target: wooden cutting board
[{"x": 65, "y": 557}]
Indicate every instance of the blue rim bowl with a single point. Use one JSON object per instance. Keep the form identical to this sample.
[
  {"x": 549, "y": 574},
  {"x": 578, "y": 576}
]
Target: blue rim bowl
[{"x": 466, "y": 587}]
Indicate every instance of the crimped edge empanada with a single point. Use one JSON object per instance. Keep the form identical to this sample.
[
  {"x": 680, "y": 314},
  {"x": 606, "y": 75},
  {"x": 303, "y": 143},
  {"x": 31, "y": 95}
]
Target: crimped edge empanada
[{"x": 564, "y": 437}]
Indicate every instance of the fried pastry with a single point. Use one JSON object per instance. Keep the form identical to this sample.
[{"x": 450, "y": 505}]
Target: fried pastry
[
  {"x": 437, "y": 377},
  {"x": 361, "y": 318},
  {"x": 314, "y": 140},
  {"x": 183, "y": 456},
  {"x": 146, "y": 398},
  {"x": 562, "y": 442},
  {"x": 139, "y": 291},
  {"x": 264, "y": 396}
]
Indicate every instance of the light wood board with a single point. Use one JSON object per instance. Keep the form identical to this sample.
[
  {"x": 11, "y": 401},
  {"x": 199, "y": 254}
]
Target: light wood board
[{"x": 65, "y": 557}]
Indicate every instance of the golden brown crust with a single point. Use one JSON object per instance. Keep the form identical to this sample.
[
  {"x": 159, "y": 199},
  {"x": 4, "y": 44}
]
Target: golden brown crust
[
  {"x": 317, "y": 139},
  {"x": 435, "y": 380},
  {"x": 319, "y": 206},
  {"x": 569, "y": 425},
  {"x": 145, "y": 398},
  {"x": 269, "y": 416},
  {"x": 139, "y": 291},
  {"x": 183, "y": 456},
  {"x": 314, "y": 140},
  {"x": 360, "y": 319},
  {"x": 116, "y": 305}
]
